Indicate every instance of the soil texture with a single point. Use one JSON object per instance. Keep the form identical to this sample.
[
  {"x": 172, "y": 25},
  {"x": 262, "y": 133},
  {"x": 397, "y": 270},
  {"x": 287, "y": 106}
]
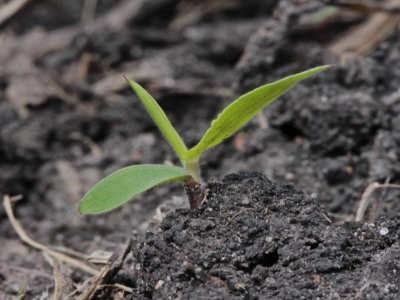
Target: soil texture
[{"x": 254, "y": 239}]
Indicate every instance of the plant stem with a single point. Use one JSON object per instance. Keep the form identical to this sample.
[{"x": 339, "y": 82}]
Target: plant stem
[
  {"x": 195, "y": 192},
  {"x": 193, "y": 168},
  {"x": 193, "y": 186}
]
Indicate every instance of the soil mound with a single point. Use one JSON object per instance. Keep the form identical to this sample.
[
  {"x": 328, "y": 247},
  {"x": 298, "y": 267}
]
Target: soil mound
[{"x": 255, "y": 239}]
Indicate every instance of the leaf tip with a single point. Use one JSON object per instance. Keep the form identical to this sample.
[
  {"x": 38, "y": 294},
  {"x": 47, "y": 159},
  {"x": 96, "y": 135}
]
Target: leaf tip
[
  {"x": 86, "y": 206},
  {"x": 327, "y": 66},
  {"x": 324, "y": 67},
  {"x": 133, "y": 84},
  {"x": 82, "y": 209}
]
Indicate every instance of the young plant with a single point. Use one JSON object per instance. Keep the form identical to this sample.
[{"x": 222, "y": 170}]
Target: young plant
[{"x": 127, "y": 183}]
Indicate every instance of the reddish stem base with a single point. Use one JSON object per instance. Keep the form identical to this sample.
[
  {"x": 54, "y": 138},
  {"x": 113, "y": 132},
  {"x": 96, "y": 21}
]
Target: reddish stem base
[{"x": 195, "y": 193}]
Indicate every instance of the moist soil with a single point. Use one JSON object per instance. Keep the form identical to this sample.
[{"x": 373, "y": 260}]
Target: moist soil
[
  {"x": 254, "y": 239},
  {"x": 67, "y": 118}
]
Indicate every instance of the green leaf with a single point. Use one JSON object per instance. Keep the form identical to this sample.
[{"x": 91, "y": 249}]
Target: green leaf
[
  {"x": 124, "y": 184},
  {"x": 243, "y": 109},
  {"x": 160, "y": 118}
]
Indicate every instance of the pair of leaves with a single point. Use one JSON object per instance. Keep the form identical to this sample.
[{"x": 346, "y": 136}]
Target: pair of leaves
[
  {"x": 230, "y": 120},
  {"x": 125, "y": 184}
]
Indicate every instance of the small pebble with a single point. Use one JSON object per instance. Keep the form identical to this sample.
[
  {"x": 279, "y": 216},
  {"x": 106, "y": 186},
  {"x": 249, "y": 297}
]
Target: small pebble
[
  {"x": 159, "y": 284},
  {"x": 240, "y": 286},
  {"x": 289, "y": 176},
  {"x": 246, "y": 201},
  {"x": 383, "y": 231},
  {"x": 269, "y": 239}
]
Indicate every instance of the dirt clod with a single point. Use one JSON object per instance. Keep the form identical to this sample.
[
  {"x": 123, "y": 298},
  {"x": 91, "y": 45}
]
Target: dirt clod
[{"x": 278, "y": 246}]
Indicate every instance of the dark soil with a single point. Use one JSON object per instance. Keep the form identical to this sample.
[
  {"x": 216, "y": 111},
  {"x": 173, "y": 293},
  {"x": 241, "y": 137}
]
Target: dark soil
[
  {"x": 67, "y": 118},
  {"x": 258, "y": 240}
]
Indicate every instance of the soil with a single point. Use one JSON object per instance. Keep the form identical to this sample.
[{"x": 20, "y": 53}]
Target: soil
[
  {"x": 258, "y": 240},
  {"x": 67, "y": 118}
]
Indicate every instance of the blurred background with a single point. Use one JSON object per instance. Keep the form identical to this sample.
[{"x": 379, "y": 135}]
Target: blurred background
[{"x": 68, "y": 118}]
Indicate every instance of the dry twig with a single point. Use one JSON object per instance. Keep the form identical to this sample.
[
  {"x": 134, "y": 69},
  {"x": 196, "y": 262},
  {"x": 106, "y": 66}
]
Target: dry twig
[
  {"x": 88, "y": 11},
  {"x": 362, "y": 39},
  {"x": 100, "y": 278},
  {"x": 8, "y": 10},
  {"x": 366, "y": 198},
  {"x": 61, "y": 284},
  {"x": 365, "y": 6},
  {"x": 189, "y": 12},
  {"x": 107, "y": 272},
  {"x": 7, "y": 202}
]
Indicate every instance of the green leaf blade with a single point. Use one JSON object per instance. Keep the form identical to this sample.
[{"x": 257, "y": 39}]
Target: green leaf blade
[
  {"x": 126, "y": 183},
  {"x": 243, "y": 109},
  {"x": 160, "y": 119}
]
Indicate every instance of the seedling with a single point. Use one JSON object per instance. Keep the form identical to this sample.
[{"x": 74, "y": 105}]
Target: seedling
[{"x": 127, "y": 183}]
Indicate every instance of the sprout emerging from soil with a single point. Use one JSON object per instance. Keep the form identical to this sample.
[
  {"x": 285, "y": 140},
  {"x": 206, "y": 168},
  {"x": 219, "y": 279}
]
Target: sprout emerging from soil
[{"x": 129, "y": 182}]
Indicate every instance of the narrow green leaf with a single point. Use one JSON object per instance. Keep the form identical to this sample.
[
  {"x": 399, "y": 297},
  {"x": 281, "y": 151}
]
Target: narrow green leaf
[
  {"x": 124, "y": 184},
  {"x": 243, "y": 109},
  {"x": 160, "y": 118}
]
